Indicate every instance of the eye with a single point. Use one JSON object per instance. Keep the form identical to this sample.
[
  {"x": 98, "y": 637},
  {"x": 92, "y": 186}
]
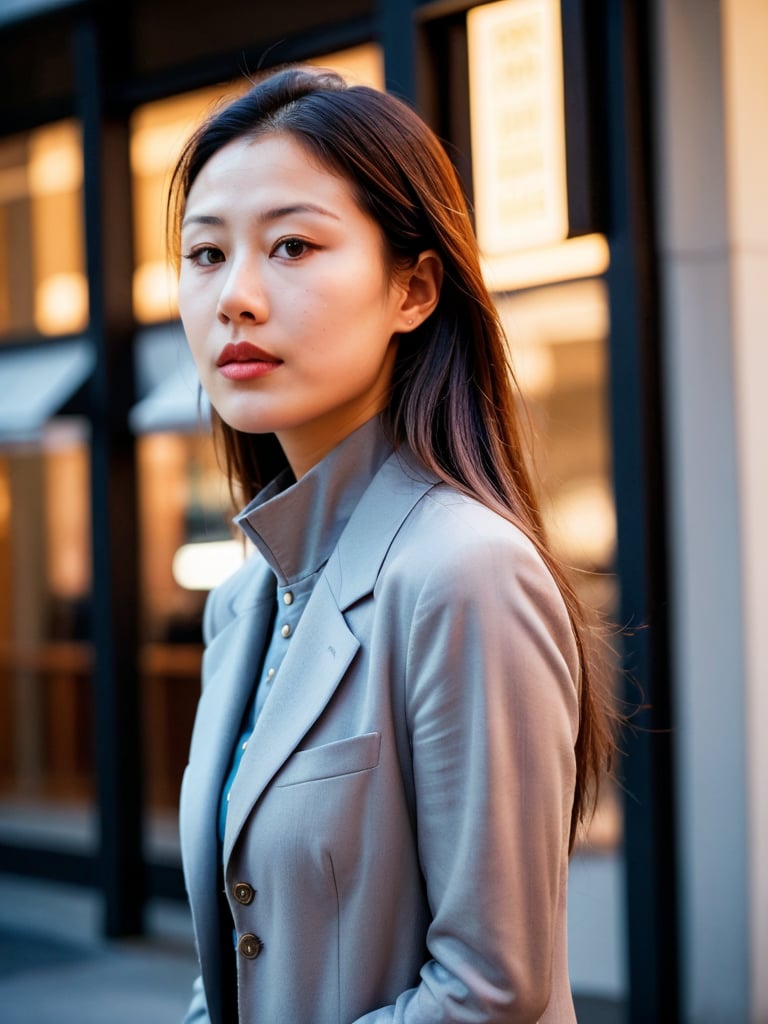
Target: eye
[
  {"x": 205, "y": 256},
  {"x": 292, "y": 248}
]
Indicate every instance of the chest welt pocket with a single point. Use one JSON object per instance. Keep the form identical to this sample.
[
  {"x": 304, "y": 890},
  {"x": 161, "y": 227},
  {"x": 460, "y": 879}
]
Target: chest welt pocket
[{"x": 343, "y": 757}]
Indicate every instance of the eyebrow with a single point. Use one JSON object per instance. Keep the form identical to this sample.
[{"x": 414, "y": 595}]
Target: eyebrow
[{"x": 267, "y": 216}]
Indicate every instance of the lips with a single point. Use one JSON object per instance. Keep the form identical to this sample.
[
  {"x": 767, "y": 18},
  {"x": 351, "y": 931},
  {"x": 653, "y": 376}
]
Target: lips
[
  {"x": 243, "y": 361},
  {"x": 244, "y": 352}
]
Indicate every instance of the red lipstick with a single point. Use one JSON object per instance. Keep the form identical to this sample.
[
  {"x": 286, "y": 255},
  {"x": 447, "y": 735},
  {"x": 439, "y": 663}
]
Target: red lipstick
[{"x": 243, "y": 361}]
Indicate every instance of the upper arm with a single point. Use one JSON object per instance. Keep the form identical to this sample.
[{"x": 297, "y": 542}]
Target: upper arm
[{"x": 492, "y": 710}]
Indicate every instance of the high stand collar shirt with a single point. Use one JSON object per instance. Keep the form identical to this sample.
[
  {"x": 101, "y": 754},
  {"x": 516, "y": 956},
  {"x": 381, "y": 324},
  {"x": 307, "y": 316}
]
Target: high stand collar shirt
[{"x": 296, "y": 525}]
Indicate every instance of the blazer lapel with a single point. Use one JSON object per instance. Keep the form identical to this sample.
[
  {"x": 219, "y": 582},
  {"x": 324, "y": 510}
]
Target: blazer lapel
[
  {"x": 230, "y": 666},
  {"x": 319, "y": 655},
  {"x": 323, "y": 647}
]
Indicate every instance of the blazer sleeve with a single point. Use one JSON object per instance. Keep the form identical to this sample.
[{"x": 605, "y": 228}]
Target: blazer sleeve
[
  {"x": 197, "y": 1012},
  {"x": 492, "y": 710}
]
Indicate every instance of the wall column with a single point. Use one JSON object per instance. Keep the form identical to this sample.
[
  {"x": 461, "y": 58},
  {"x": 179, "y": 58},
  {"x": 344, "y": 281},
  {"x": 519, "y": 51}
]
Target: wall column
[
  {"x": 713, "y": 230},
  {"x": 745, "y": 88}
]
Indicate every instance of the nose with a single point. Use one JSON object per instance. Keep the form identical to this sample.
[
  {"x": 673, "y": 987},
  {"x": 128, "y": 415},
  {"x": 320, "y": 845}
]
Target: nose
[{"x": 242, "y": 296}]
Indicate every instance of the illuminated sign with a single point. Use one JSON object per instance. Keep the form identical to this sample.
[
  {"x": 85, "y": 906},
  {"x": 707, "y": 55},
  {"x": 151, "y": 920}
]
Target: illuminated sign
[{"x": 518, "y": 125}]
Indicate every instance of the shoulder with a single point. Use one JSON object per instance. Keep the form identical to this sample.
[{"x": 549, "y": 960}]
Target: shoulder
[
  {"x": 456, "y": 560},
  {"x": 467, "y": 595},
  {"x": 448, "y": 530}
]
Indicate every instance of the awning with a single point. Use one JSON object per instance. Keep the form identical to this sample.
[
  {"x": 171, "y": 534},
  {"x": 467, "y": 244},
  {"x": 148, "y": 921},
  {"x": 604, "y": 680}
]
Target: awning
[
  {"x": 167, "y": 380},
  {"x": 172, "y": 405},
  {"x": 22, "y": 10},
  {"x": 36, "y": 381}
]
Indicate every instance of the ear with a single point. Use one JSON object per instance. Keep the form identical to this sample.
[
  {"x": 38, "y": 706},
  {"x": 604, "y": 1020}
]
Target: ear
[{"x": 421, "y": 285}]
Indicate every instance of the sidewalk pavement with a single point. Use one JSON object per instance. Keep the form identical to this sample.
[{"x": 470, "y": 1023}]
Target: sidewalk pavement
[{"x": 56, "y": 967}]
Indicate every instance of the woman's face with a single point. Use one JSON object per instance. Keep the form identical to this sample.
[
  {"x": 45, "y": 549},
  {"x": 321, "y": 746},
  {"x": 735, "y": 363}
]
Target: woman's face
[{"x": 289, "y": 306}]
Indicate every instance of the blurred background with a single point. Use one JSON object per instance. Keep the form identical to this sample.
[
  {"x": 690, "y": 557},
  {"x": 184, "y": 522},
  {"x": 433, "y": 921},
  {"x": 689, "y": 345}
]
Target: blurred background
[{"x": 615, "y": 156}]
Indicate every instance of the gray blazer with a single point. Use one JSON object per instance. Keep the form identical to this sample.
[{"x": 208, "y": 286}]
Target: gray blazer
[{"x": 396, "y": 844}]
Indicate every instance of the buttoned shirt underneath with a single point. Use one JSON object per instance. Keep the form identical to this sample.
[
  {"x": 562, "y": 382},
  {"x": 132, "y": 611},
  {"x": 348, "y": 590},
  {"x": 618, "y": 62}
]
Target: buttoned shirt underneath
[{"x": 296, "y": 525}]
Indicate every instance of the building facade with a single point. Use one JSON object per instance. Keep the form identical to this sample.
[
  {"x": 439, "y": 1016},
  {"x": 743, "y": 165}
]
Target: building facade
[{"x": 615, "y": 157}]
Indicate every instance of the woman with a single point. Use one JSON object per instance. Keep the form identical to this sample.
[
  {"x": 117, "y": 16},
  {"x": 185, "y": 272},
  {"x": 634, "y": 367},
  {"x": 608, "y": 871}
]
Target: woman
[{"x": 398, "y": 732}]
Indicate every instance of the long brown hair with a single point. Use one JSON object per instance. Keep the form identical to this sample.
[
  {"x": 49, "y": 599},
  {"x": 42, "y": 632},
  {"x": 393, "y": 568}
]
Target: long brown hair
[{"x": 454, "y": 400}]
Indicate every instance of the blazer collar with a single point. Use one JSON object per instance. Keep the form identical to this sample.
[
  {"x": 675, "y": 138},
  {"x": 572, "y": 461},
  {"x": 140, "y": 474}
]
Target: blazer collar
[
  {"x": 322, "y": 636},
  {"x": 296, "y": 525},
  {"x": 355, "y": 564}
]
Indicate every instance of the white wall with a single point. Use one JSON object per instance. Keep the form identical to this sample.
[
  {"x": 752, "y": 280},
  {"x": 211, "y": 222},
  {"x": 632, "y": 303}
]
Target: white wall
[
  {"x": 713, "y": 229},
  {"x": 745, "y": 67}
]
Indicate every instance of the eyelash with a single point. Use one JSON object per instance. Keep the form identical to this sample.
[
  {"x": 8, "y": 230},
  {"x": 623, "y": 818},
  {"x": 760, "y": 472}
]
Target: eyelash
[
  {"x": 195, "y": 255},
  {"x": 306, "y": 246}
]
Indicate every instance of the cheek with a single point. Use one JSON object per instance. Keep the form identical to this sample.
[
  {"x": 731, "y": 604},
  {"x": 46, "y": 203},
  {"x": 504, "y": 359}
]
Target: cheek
[
  {"x": 185, "y": 306},
  {"x": 192, "y": 312},
  {"x": 195, "y": 293}
]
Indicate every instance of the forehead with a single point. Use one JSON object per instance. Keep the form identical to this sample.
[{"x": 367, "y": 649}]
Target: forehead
[{"x": 278, "y": 162}]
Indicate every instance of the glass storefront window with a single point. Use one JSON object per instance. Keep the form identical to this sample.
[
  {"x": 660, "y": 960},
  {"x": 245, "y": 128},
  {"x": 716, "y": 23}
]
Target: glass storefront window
[
  {"x": 43, "y": 288},
  {"x": 558, "y": 339},
  {"x": 182, "y": 499},
  {"x": 45, "y": 653}
]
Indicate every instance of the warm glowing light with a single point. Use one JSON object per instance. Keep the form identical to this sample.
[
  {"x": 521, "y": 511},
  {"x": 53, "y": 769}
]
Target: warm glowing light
[
  {"x": 359, "y": 65},
  {"x": 61, "y": 304},
  {"x": 55, "y": 161},
  {"x": 547, "y": 330},
  {"x": 204, "y": 565},
  {"x": 534, "y": 367},
  {"x": 517, "y": 124},
  {"x": 155, "y": 148},
  {"x": 13, "y": 184},
  {"x": 155, "y": 290},
  {"x": 586, "y": 256},
  {"x": 5, "y": 505},
  {"x": 565, "y": 312},
  {"x": 583, "y": 523},
  {"x": 159, "y": 129},
  {"x": 67, "y": 515}
]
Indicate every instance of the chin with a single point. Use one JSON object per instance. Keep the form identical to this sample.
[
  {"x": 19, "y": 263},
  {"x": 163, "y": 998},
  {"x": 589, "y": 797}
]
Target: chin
[{"x": 243, "y": 423}]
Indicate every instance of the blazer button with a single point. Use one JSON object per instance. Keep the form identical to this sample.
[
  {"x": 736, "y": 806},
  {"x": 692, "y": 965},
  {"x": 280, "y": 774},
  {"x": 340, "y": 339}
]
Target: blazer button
[
  {"x": 249, "y": 946},
  {"x": 243, "y": 892}
]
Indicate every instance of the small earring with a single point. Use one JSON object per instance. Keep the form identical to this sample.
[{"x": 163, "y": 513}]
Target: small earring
[{"x": 410, "y": 321}]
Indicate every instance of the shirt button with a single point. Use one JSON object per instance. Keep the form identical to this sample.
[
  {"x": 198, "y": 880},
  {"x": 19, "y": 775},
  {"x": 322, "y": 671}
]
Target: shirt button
[
  {"x": 285, "y": 630},
  {"x": 243, "y": 893},
  {"x": 288, "y": 597},
  {"x": 244, "y": 744},
  {"x": 249, "y": 946},
  {"x": 270, "y": 675}
]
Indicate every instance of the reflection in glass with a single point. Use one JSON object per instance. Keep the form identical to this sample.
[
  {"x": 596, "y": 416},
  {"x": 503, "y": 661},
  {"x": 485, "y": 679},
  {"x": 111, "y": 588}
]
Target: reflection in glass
[
  {"x": 45, "y": 653},
  {"x": 43, "y": 288},
  {"x": 558, "y": 340}
]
